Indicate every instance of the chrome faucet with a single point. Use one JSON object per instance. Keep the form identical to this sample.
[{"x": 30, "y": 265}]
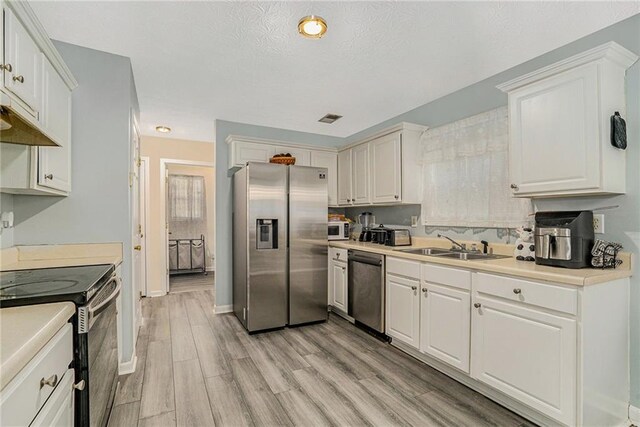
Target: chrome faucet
[{"x": 462, "y": 246}]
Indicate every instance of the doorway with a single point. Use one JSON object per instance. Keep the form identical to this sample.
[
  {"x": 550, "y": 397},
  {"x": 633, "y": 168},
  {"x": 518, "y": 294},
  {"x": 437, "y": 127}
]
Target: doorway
[{"x": 189, "y": 218}]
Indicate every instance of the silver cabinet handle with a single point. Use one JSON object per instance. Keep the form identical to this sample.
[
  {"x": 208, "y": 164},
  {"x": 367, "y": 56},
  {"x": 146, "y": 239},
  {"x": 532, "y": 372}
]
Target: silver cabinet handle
[
  {"x": 343, "y": 268},
  {"x": 50, "y": 176},
  {"x": 413, "y": 288},
  {"x": 514, "y": 187},
  {"x": 51, "y": 381},
  {"x": 424, "y": 290},
  {"x": 396, "y": 197},
  {"x": 79, "y": 386},
  {"x": 18, "y": 79},
  {"x": 477, "y": 305},
  {"x": 517, "y": 291},
  {"x": 6, "y": 67}
]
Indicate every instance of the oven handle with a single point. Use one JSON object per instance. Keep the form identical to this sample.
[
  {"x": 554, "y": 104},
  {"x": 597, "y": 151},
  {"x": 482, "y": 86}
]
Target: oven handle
[{"x": 94, "y": 311}]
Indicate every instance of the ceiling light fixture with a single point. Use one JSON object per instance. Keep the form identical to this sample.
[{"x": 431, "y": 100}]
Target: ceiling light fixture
[
  {"x": 330, "y": 118},
  {"x": 312, "y": 27},
  {"x": 163, "y": 129}
]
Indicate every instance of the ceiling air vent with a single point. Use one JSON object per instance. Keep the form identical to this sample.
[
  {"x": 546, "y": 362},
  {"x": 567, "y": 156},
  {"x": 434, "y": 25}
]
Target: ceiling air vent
[{"x": 330, "y": 118}]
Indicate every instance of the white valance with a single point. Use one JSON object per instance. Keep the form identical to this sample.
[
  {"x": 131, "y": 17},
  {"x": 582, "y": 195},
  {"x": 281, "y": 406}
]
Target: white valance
[{"x": 466, "y": 174}]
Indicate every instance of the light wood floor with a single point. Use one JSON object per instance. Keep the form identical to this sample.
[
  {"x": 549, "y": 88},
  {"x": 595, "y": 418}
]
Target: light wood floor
[
  {"x": 200, "y": 369},
  {"x": 192, "y": 282}
]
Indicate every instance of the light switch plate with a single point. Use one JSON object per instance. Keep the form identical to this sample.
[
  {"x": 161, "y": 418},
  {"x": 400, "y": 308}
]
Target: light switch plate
[
  {"x": 598, "y": 223},
  {"x": 414, "y": 221}
]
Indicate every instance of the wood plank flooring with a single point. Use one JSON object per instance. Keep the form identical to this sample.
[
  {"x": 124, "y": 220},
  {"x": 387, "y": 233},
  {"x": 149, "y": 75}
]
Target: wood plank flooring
[
  {"x": 191, "y": 282},
  {"x": 196, "y": 368}
]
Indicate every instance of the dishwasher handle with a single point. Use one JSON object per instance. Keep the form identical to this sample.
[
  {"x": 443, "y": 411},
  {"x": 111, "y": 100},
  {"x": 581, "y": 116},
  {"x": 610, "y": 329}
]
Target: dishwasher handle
[{"x": 365, "y": 260}]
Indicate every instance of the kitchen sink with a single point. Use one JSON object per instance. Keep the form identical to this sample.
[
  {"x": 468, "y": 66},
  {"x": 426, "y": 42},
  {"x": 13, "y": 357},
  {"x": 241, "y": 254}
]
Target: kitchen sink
[
  {"x": 426, "y": 251},
  {"x": 470, "y": 256}
]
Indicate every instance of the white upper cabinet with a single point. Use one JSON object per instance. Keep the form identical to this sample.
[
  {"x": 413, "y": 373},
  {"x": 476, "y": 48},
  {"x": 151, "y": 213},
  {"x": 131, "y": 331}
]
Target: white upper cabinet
[
  {"x": 559, "y": 123},
  {"x": 303, "y": 157},
  {"x": 386, "y": 168},
  {"x": 54, "y": 163},
  {"x": 21, "y": 62},
  {"x": 360, "y": 174},
  {"x": 328, "y": 160},
  {"x": 344, "y": 178},
  {"x": 243, "y": 152}
]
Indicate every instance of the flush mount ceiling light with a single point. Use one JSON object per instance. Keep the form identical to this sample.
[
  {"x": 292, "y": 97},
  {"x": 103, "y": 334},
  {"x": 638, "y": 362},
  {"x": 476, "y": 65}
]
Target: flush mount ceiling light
[
  {"x": 312, "y": 27},
  {"x": 163, "y": 129},
  {"x": 330, "y": 118}
]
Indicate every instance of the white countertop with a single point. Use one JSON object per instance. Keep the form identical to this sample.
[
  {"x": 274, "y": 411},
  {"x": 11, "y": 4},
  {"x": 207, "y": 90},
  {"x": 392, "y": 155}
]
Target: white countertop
[
  {"x": 24, "y": 331},
  {"x": 507, "y": 266},
  {"x": 68, "y": 255}
]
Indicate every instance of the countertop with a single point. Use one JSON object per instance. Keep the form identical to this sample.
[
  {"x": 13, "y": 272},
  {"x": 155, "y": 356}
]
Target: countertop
[
  {"x": 68, "y": 255},
  {"x": 24, "y": 331},
  {"x": 506, "y": 266}
]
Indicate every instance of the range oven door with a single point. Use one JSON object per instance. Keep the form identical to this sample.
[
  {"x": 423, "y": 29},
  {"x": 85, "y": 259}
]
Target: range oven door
[{"x": 98, "y": 356}]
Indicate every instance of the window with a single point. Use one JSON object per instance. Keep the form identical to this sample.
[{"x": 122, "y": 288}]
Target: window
[{"x": 186, "y": 197}]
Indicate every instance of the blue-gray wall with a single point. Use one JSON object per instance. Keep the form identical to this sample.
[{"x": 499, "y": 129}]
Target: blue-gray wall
[
  {"x": 224, "y": 196},
  {"x": 622, "y": 224},
  {"x": 6, "y": 205},
  {"x": 97, "y": 210}
]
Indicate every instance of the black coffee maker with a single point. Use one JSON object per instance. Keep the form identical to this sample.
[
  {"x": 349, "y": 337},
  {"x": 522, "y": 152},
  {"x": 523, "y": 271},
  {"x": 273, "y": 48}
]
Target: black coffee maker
[{"x": 564, "y": 239}]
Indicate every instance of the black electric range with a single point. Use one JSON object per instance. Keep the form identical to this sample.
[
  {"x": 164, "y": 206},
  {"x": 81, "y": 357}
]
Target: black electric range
[
  {"x": 94, "y": 290},
  {"x": 46, "y": 285}
]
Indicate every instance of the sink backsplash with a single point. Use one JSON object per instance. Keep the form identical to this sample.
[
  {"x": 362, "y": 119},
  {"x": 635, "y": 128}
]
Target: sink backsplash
[{"x": 400, "y": 216}]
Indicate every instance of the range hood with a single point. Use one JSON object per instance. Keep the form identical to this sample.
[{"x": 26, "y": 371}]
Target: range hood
[{"x": 16, "y": 130}]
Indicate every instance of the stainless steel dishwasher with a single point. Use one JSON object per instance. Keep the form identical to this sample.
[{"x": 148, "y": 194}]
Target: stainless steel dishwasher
[{"x": 366, "y": 289}]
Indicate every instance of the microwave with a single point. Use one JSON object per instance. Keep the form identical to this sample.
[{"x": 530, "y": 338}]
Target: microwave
[{"x": 338, "y": 230}]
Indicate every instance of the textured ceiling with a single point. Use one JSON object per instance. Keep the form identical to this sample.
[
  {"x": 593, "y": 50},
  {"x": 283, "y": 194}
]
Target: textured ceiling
[{"x": 195, "y": 62}]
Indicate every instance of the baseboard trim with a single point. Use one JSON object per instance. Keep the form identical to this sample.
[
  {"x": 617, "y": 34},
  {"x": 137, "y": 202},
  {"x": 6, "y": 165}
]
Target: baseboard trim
[
  {"x": 156, "y": 294},
  {"x": 634, "y": 414},
  {"x": 220, "y": 309},
  {"x": 128, "y": 367}
]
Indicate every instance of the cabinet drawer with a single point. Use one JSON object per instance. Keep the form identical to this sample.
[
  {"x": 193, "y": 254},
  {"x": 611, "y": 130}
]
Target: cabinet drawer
[
  {"x": 338, "y": 255},
  {"x": 23, "y": 397},
  {"x": 401, "y": 267},
  {"x": 446, "y": 276},
  {"x": 535, "y": 293}
]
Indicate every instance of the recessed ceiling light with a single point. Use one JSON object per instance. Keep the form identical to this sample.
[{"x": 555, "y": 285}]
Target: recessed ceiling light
[
  {"x": 163, "y": 129},
  {"x": 330, "y": 118},
  {"x": 312, "y": 27}
]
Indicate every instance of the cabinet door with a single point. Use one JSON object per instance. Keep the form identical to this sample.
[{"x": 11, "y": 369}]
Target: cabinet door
[
  {"x": 58, "y": 411},
  {"x": 403, "y": 310},
  {"x": 328, "y": 160},
  {"x": 303, "y": 157},
  {"x": 54, "y": 163},
  {"x": 23, "y": 55},
  {"x": 360, "y": 174},
  {"x": 386, "y": 169},
  {"x": 339, "y": 282},
  {"x": 344, "y": 178},
  {"x": 528, "y": 354},
  {"x": 445, "y": 324},
  {"x": 554, "y": 133},
  {"x": 251, "y": 152}
]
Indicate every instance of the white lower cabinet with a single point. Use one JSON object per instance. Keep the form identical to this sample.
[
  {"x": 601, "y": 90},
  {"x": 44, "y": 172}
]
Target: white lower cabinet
[
  {"x": 526, "y": 353},
  {"x": 338, "y": 283},
  {"x": 58, "y": 411},
  {"x": 445, "y": 325},
  {"x": 402, "y": 318}
]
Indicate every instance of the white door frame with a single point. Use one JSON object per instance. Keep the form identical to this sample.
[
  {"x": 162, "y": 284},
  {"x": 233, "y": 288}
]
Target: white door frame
[
  {"x": 144, "y": 180},
  {"x": 163, "y": 210}
]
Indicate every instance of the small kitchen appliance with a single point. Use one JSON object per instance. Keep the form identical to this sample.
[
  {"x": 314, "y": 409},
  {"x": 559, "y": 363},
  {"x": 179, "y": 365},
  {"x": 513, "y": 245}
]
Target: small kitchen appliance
[
  {"x": 338, "y": 230},
  {"x": 564, "y": 239},
  {"x": 379, "y": 234},
  {"x": 398, "y": 237},
  {"x": 366, "y": 219}
]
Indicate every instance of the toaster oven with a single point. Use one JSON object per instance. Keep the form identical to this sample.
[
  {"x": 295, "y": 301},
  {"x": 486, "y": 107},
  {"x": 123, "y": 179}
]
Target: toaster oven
[{"x": 338, "y": 230}]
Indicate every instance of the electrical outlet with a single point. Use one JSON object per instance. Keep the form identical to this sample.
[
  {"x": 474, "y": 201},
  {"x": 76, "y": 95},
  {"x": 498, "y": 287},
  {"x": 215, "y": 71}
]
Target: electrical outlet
[
  {"x": 598, "y": 223},
  {"x": 414, "y": 221}
]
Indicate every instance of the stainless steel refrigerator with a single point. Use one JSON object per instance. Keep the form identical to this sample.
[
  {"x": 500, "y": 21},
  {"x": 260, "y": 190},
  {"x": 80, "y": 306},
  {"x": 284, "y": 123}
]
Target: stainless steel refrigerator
[{"x": 279, "y": 245}]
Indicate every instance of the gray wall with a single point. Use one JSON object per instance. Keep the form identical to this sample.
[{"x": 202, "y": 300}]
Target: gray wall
[
  {"x": 224, "y": 194},
  {"x": 622, "y": 224},
  {"x": 97, "y": 210},
  {"x": 6, "y": 205}
]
